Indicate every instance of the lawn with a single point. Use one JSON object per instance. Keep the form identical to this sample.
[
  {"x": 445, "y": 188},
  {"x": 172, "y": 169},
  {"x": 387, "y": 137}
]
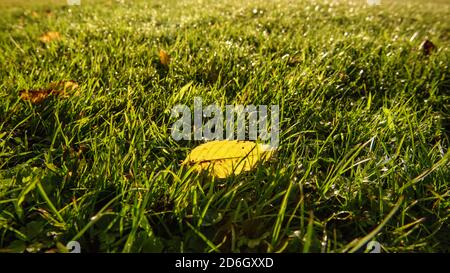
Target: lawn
[{"x": 364, "y": 125}]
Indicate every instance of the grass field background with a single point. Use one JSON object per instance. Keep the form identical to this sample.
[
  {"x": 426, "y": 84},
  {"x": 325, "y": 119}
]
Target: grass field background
[{"x": 364, "y": 123}]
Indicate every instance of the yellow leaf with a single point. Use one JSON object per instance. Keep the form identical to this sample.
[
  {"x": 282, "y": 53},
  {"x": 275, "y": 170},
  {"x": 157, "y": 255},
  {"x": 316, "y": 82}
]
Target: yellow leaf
[
  {"x": 225, "y": 157},
  {"x": 50, "y": 36},
  {"x": 164, "y": 57}
]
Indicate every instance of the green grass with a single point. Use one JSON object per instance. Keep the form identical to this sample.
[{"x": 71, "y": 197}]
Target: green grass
[{"x": 364, "y": 136}]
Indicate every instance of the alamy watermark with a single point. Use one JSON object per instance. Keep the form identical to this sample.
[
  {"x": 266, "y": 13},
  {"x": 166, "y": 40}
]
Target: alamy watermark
[
  {"x": 374, "y": 2},
  {"x": 73, "y": 2},
  {"x": 233, "y": 119},
  {"x": 73, "y": 247},
  {"x": 373, "y": 247}
]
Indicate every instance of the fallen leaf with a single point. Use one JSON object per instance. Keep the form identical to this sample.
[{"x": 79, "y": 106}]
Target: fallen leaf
[
  {"x": 50, "y": 36},
  {"x": 164, "y": 57},
  {"x": 225, "y": 157},
  {"x": 34, "y": 96},
  {"x": 60, "y": 89},
  {"x": 427, "y": 47},
  {"x": 64, "y": 85}
]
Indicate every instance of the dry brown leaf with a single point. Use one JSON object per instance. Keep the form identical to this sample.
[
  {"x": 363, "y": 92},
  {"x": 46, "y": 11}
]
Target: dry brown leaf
[
  {"x": 427, "y": 47},
  {"x": 50, "y": 36},
  {"x": 164, "y": 57},
  {"x": 34, "y": 96},
  {"x": 59, "y": 89}
]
